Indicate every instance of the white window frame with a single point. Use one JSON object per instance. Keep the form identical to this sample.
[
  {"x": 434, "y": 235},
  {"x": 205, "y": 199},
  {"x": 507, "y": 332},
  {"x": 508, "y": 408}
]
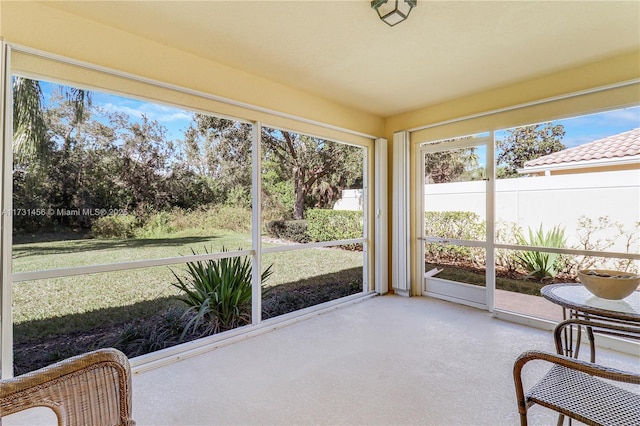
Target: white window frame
[
  {"x": 175, "y": 353},
  {"x": 491, "y": 245}
]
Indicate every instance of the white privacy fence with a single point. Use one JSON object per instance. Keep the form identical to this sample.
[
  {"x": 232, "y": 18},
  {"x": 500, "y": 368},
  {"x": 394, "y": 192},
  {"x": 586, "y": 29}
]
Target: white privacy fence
[
  {"x": 351, "y": 200},
  {"x": 549, "y": 201},
  {"x": 553, "y": 201}
]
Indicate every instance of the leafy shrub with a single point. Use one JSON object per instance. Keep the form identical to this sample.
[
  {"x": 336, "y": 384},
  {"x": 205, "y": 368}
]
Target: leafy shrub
[
  {"x": 455, "y": 225},
  {"x": 329, "y": 225},
  {"x": 239, "y": 196},
  {"x": 506, "y": 233},
  {"x": 236, "y": 219},
  {"x": 156, "y": 225},
  {"x": 217, "y": 292},
  {"x": 165, "y": 223},
  {"x": 119, "y": 226},
  {"x": 278, "y": 196},
  {"x": 601, "y": 236},
  {"x": 538, "y": 264},
  {"x": 292, "y": 230},
  {"x": 148, "y": 335}
]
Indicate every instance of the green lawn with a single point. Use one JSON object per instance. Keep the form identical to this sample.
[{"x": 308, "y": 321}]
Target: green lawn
[
  {"x": 57, "y": 318},
  {"x": 82, "y": 252},
  {"x": 60, "y": 297}
]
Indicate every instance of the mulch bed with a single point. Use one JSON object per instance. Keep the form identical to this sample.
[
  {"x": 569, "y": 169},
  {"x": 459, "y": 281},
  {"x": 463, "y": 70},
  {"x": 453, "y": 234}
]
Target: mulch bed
[{"x": 164, "y": 329}]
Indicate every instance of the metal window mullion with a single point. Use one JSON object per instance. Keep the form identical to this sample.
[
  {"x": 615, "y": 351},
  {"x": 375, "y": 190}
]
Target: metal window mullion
[
  {"x": 304, "y": 246},
  {"x": 256, "y": 223},
  {"x": 6, "y": 205},
  {"x": 122, "y": 266},
  {"x": 593, "y": 253}
]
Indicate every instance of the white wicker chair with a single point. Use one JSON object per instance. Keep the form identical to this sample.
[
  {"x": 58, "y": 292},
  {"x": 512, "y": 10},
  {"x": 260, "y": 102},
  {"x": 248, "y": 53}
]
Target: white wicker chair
[{"x": 88, "y": 389}]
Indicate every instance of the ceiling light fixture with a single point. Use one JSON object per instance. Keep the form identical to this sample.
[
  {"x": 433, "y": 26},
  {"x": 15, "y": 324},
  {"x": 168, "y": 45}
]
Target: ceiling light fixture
[{"x": 393, "y": 11}]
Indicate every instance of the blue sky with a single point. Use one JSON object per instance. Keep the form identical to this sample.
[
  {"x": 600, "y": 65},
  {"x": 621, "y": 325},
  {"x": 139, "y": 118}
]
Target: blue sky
[
  {"x": 588, "y": 128},
  {"x": 175, "y": 120},
  {"x": 579, "y": 130}
]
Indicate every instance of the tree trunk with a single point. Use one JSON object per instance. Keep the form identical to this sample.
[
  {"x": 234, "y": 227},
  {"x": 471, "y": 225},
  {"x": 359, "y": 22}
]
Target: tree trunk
[{"x": 300, "y": 193}]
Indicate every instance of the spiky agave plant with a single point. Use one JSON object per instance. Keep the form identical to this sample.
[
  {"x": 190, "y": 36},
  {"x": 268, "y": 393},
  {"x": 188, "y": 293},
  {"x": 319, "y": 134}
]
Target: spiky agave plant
[
  {"x": 540, "y": 264},
  {"x": 217, "y": 292}
]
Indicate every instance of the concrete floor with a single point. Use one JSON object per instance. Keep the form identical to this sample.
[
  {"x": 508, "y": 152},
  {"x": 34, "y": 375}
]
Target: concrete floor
[{"x": 385, "y": 361}]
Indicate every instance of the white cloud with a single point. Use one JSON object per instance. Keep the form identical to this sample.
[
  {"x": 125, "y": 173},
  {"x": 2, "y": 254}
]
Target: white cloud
[
  {"x": 109, "y": 107},
  {"x": 161, "y": 113}
]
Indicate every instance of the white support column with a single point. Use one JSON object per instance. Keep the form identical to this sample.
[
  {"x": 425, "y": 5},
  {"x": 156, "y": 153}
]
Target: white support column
[
  {"x": 401, "y": 280},
  {"x": 6, "y": 205},
  {"x": 365, "y": 221},
  {"x": 256, "y": 224},
  {"x": 490, "y": 254},
  {"x": 381, "y": 218}
]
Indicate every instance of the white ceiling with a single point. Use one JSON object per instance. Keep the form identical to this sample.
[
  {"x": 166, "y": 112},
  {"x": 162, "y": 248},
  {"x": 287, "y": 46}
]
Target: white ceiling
[{"x": 340, "y": 50}]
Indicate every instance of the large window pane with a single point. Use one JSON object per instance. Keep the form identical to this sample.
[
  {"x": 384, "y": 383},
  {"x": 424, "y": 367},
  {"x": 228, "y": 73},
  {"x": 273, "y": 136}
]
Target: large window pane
[
  {"x": 137, "y": 311},
  {"x": 455, "y": 263},
  {"x": 311, "y": 188},
  {"x": 100, "y": 178},
  {"x": 571, "y": 184},
  {"x": 516, "y": 293},
  {"x": 57, "y": 318},
  {"x": 579, "y": 175}
]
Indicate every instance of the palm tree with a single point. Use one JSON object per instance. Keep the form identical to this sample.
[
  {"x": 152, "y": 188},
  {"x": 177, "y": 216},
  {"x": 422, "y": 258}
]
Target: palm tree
[
  {"x": 30, "y": 143},
  {"x": 29, "y": 130}
]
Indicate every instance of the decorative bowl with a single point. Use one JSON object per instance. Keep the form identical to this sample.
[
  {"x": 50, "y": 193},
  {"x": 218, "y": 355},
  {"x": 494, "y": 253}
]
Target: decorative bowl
[{"x": 614, "y": 285}]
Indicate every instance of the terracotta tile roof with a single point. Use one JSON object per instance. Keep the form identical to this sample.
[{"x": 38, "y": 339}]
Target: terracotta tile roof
[{"x": 625, "y": 144}]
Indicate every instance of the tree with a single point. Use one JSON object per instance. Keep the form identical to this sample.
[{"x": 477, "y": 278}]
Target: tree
[
  {"x": 527, "y": 143},
  {"x": 312, "y": 164},
  {"x": 30, "y": 144},
  {"x": 220, "y": 149},
  {"x": 451, "y": 165},
  {"x": 316, "y": 170},
  {"x": 62, "y": 170},
  {"x": 29, "y": 130},
  {"x": 97, "y": 159},
  {"x": 144, "y": 152}
]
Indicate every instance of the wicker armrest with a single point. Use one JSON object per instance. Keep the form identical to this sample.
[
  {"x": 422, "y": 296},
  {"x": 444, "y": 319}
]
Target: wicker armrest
[
  {"x": 571, "y": 388},
  {"x": 88, "y": 389}
]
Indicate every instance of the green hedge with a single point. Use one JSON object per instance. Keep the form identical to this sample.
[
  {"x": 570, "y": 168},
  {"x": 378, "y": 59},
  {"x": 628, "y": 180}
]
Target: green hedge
[
  {"x": 292, "y": 230},
  {"x": 320, "y": 225},
  {"x": 330, "y": 225}
]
